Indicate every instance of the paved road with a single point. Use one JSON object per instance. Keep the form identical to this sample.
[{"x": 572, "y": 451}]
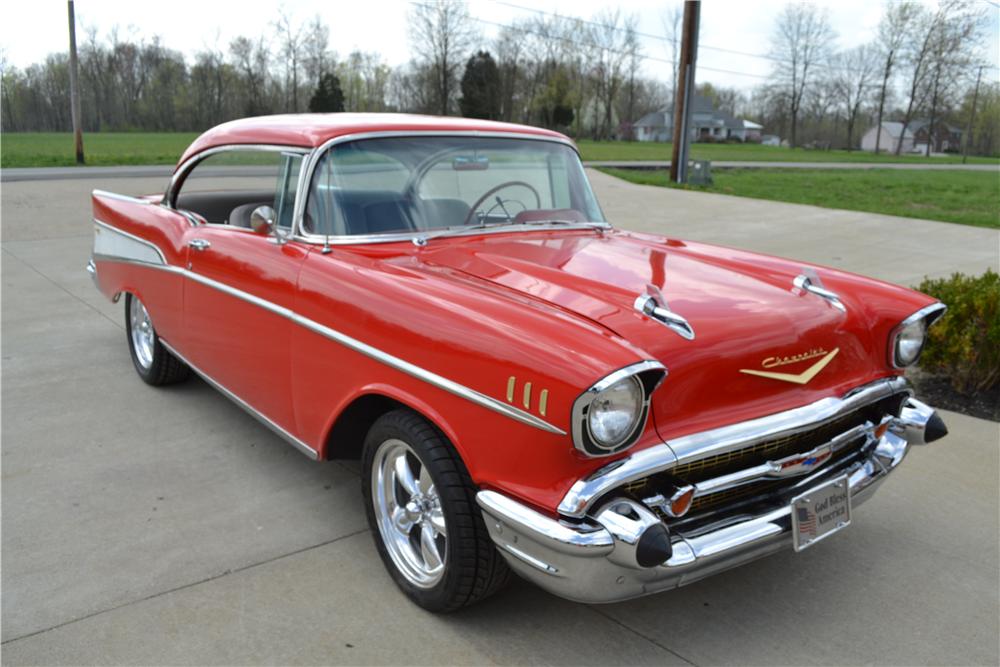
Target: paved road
[
  {"x": 76, "y": 173},
  {"x": 167, "y": 527}
]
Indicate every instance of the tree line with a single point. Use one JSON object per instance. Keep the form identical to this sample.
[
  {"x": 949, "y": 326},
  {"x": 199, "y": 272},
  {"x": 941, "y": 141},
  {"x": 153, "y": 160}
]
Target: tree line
[{"x": 584, "y": 77}]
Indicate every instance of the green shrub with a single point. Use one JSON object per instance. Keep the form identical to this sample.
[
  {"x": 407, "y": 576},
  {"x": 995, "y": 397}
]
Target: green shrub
[{"x": 965, "y": 343}]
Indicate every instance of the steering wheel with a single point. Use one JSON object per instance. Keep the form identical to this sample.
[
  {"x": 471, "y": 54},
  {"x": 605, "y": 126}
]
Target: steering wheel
[{"x": 493, "y": 191}]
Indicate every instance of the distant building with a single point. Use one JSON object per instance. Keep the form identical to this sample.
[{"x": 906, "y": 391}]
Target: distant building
[
  {"x": 946, "y": 138},
  {"x": 892, "y": 135},
  {"x": 707, "y": 124}
]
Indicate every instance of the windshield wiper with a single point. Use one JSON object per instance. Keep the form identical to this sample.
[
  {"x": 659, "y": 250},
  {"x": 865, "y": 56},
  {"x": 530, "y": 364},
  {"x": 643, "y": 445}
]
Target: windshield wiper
[{"x": 458, "y": 231}]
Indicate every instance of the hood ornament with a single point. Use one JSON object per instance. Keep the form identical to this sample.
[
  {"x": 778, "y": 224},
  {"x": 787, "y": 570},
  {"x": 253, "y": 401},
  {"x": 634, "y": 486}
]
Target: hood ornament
[
  {"x": 653, "y": 305},
  {"x": 809, "y": 281}
]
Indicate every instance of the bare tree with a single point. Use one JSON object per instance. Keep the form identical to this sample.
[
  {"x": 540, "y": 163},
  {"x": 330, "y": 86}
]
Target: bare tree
[
  {"x": 854, "y": 73},
  {"x": 614, "y": 38},
  {"x": 441, "y": 34},
  {"x": 800, "y": 45},
  {"x": 955, "y": 33},
  {"x": 317, "y": 58},
  {"x": 291, "y": 51},
  {"x": 671, "y": 20},
  {"x": 893, "y": 30}
]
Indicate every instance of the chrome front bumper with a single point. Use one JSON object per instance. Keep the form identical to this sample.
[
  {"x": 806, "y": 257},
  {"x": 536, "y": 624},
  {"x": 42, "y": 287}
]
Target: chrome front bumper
[{"x": 593, "y": 560}]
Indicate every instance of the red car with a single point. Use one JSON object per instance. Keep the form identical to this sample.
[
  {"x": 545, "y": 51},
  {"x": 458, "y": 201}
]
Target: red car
[{"x": 528, "y": 388}]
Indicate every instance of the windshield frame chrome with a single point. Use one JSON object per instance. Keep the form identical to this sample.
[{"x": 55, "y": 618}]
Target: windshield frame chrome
[{"x": 312, "y": 161}]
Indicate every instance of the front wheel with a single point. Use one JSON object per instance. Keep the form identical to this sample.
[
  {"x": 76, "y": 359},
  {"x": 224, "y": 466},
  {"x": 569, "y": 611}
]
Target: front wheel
[
  {"x": 421, "y": 508},
  {"x": 152, "y": 361}
]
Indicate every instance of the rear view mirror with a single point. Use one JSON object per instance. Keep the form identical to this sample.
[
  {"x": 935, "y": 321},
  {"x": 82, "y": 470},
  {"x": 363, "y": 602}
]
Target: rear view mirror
[
  {"x": 466, "y": 163},
  {"x": 262, "y": 220}
]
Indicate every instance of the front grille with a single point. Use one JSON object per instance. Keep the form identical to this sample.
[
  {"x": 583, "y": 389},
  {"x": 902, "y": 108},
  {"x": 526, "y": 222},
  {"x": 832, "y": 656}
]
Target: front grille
[{"x": 753, "y": 455}]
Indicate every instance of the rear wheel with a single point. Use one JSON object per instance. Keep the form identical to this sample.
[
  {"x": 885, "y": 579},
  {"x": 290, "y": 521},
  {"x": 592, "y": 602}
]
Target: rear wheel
[
  {"x": 152, "y": 361},
  {"x": 423, "y": 515}
]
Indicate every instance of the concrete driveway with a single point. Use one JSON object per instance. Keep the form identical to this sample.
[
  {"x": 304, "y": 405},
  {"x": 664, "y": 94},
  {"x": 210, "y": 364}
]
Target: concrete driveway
[{"x": 168, "y": 527}]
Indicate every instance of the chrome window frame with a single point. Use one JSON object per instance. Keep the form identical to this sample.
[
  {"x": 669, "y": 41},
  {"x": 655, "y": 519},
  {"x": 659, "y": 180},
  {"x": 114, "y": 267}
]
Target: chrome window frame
[
  {"x": 179, "y": 176},
  {"x": 309, "y": 169}
]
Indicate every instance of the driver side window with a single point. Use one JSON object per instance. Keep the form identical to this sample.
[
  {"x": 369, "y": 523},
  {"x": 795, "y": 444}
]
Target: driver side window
[{"x": 226, "y": 187}]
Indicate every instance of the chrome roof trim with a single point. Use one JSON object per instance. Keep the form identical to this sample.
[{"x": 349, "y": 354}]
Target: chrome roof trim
[
  {"x": 309, "y": 168},
  {"x": 659, "y": 458}
]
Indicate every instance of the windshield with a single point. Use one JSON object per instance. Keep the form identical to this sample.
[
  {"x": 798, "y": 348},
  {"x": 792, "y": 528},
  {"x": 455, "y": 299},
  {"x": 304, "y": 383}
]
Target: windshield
[{"x": 414, "y": 184}]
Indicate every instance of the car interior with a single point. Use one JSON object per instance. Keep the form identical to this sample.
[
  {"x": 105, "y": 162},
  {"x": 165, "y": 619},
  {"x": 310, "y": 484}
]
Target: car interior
[{"x": 230, "y": 207}]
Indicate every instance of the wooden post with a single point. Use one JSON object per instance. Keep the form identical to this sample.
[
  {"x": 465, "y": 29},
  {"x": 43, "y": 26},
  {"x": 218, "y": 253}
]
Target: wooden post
[
  {"x": 685, "y": 87},
  {"x": 972, "y": 118},
  {"x": 74, "y": 89}
]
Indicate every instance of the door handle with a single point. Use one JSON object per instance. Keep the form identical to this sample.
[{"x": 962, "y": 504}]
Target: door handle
[{"x": 199, "y": 244}]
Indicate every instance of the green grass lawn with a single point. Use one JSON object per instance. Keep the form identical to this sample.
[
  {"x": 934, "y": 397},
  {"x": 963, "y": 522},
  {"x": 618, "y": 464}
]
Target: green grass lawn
[
  {"x": 636, "y": 150},
  {"x": 966, "y": 197},
  {"x": 55, "y": 149}
]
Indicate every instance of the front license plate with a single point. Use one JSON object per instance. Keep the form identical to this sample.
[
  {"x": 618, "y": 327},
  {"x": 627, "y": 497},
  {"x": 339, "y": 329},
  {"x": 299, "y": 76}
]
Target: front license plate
[{"x": 821, "y": 512}]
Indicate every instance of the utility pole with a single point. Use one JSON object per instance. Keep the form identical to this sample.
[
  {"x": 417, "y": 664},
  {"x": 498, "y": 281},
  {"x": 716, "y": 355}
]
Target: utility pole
[
  {"x": 74, "y": 88},
  {"x": 685, "y": 86},
  {"x": 972, "y": 117}
]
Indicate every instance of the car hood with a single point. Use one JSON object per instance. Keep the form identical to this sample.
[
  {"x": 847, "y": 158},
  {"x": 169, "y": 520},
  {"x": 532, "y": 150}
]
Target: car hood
[{"x": 744, "y": 310}]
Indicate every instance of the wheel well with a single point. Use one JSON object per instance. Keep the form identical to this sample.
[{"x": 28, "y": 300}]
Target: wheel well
[{"x": 347, "y": 436}]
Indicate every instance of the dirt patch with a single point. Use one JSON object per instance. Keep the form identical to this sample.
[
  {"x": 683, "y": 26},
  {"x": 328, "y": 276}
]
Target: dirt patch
[{"x": 936, "y": 390}]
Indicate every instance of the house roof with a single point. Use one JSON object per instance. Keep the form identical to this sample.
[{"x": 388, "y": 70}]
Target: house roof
[
  {"x": 310, "y": 130},
  {"x": 750, "y": 125},
  {"x": 895, "y": 129},
  {"x": 918, "y": 125},
  {"x": 655, "y": 119}
]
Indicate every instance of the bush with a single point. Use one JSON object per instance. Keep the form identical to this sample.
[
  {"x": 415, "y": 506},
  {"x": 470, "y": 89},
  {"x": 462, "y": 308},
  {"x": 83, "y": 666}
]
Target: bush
[{"x": 965, "y": 343}]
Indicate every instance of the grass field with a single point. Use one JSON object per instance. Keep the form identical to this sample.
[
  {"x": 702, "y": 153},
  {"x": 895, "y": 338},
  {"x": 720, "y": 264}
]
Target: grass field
[
  {"x": 623, "y": 150},
  {"x": 969, "y": 198},
  {"x": 54, "y": 149}
]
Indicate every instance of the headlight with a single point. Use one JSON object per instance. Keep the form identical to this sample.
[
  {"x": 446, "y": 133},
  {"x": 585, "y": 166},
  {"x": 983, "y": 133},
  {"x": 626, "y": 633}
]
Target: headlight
[
  {"x": 909, "y": 343},
  {"x": 614, "y": 413},
  {"x": 907, "y": 339},
  {"x": 610, "y": 415}
]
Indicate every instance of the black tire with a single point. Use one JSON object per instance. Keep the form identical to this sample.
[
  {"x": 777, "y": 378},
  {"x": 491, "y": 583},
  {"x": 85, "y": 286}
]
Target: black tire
[
  {"x": 165, "y": 367},
  {"x": 473, "y": 568}
]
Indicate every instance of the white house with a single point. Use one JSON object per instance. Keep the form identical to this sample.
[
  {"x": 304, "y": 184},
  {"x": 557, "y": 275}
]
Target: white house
[
  {"x": 707, "y": 124},
  {"x": 891, "y": 132}
]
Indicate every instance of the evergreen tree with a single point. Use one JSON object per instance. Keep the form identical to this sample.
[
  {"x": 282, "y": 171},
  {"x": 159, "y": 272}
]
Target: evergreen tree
[
  {"x": 328, "y": 96},
  {"x": 481, "y": 88}
]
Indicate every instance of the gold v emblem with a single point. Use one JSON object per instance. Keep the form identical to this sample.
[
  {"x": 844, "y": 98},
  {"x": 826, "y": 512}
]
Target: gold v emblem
[{"x": 801, "y": 378}]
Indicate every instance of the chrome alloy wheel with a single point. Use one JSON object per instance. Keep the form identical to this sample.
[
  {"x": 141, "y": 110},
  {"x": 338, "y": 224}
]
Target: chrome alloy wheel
[
  {"x": 409, "y": 514},
  {"x": 143, "y": 336}
]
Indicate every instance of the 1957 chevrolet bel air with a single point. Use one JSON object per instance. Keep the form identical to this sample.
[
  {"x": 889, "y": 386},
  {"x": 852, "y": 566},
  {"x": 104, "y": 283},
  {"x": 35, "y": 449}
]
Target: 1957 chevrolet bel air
[{"x": 606, "y": 413}]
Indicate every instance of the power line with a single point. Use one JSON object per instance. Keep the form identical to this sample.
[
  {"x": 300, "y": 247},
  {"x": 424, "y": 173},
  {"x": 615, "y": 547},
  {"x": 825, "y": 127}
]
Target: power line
[
  {"x": 568, "y": 40},
  {"x": 647, "y": 35}
]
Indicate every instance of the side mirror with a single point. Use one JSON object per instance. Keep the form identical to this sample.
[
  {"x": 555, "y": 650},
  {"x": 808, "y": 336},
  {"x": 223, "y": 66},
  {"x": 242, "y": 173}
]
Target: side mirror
[{"x": 262, "y": 220}]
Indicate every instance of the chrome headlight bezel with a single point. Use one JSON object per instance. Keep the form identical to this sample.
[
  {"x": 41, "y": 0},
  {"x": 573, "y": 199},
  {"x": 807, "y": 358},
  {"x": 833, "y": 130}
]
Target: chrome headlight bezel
[
  {"x": 923, "y": 319},
  {"x": 648, "y": 375}
]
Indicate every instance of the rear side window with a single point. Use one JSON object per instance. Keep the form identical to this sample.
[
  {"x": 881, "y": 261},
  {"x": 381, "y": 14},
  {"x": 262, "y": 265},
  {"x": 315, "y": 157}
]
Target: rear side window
[{"x": 227, "y": 186}]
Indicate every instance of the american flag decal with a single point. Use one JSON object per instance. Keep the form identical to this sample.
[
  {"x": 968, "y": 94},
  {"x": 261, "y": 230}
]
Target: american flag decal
[{"x": 807, "y": 521}]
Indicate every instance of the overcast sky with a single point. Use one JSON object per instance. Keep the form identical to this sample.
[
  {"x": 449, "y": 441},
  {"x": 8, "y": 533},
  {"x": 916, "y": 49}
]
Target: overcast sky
[{"x": 33, "y": 28}]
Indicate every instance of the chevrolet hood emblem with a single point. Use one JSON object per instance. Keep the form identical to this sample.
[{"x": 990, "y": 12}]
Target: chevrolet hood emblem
[{"x": 801, "y": 378}]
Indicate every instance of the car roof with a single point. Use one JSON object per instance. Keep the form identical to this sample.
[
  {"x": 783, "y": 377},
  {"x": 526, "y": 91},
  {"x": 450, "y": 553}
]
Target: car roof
[{"x": 310, "y": 130}]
